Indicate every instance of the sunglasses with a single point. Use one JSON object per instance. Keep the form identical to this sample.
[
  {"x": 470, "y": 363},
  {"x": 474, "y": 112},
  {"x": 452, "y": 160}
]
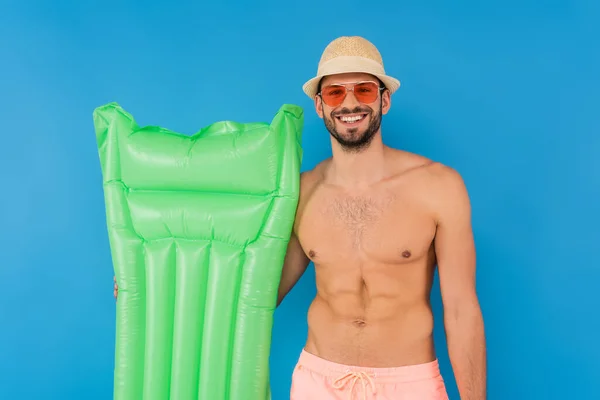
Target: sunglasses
[{"x": 365, "y": 92}]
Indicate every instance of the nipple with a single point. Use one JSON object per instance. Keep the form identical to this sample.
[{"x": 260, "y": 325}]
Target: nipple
[
  {"x": 311, "y": 253},
  {"x": 406, "y": 254}
]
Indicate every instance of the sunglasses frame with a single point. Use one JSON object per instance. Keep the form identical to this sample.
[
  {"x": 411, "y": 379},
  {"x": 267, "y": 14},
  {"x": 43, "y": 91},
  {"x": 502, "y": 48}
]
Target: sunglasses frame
[{"x": 349, "y": 87}]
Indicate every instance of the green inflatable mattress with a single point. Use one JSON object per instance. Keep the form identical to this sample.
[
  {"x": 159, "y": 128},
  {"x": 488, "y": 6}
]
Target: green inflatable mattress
[{"x": 198, "y": 227}]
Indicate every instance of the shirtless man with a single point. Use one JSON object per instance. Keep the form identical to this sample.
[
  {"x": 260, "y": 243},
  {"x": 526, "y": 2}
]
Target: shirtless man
[{"x": 375, "y": 221}]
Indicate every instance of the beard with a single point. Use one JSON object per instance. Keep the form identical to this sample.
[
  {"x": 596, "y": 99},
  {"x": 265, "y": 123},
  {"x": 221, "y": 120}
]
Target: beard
[{"x": 352, "y": 140}]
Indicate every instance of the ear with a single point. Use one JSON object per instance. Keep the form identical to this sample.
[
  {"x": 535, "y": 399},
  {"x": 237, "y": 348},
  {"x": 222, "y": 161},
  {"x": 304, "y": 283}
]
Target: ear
[
  {"x": 319, "y": 106},
  {"x": 386, "y": 101}
]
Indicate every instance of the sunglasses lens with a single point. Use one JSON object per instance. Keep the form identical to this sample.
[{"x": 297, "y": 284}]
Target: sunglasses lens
[
  {"x": 366, "y": 92},
  {"x": 333, "y": 95}
]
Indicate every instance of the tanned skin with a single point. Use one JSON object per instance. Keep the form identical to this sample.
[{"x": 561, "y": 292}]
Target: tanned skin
[{"x": 376, "y": 222}]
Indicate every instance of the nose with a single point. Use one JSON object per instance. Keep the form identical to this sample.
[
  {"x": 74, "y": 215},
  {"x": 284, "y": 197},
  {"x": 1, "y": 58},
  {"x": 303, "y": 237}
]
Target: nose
[{"x": 350, "y": 100}]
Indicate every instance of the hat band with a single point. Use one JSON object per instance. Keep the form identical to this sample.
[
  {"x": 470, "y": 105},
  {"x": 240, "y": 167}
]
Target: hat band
[{"x": 346, "y": 64}]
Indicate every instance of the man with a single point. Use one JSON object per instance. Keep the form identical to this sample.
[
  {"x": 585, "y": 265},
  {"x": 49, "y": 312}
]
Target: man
[{"x": 375, "y": 221}]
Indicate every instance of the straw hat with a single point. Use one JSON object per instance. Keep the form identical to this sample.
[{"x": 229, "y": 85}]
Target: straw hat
[{"x": 350, "y": 54}]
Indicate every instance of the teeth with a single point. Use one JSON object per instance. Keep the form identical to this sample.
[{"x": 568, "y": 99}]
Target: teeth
[{"x": 351, "y": 119}]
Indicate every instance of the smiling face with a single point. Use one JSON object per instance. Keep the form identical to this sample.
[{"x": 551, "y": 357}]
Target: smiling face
[{"x": 351, "y": 106}]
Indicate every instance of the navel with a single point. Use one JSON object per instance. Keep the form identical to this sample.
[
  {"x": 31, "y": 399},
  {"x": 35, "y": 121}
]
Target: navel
[{"x": 359, "y": 323}]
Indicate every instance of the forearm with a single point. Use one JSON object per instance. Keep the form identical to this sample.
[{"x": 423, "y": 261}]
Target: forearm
[{"x": 467, "y": 350}]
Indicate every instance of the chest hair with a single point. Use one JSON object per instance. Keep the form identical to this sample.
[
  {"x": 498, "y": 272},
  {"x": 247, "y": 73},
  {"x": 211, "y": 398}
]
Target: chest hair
[{"x": 356, "y": 215}]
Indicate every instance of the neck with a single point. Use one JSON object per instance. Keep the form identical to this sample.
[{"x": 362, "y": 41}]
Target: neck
[{"x": 360, "y": 168}]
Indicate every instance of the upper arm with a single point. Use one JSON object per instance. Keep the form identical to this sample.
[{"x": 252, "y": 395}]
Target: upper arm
[
  {"x": 294, "y": 265},
  {"x": 296, "y": 260},
  {"x": 454, "y": 243}
]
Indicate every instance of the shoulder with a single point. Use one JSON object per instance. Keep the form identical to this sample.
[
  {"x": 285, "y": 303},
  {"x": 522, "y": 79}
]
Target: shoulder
[
  {"x": 433, "y": 173},
  {"x": 439, "y": 186},
  {"x": 445, "y": 178},
  {"x": 405, "y": 163},
  {"x": 309, "y": 183},
  {"x": 449, "y": 191},
  {"x": 310, "y": 179}
]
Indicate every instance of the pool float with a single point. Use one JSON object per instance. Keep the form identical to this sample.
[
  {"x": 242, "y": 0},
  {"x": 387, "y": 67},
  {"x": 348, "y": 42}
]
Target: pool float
[{"x": 198, "y": 227}]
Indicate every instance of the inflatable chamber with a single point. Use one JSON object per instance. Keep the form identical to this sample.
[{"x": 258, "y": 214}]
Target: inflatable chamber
[{"x": 198, "y": 227}]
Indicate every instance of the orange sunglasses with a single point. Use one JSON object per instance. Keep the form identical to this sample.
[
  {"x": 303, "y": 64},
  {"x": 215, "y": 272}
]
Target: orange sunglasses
[{"x": 365, "y": 92}]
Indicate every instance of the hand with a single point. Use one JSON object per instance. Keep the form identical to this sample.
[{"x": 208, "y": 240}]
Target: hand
[{"x": 116, "y": 287}]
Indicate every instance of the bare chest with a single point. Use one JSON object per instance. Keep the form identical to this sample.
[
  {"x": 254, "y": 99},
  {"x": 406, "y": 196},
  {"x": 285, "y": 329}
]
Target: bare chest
[{"x": 387, "y": 228}]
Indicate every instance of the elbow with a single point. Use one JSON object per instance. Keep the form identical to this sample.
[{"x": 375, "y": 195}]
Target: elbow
[{"x": 464, "y": 313}]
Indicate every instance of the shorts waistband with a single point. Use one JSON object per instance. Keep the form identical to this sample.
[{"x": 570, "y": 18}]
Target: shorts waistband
[{"x": 408, "y": 373}]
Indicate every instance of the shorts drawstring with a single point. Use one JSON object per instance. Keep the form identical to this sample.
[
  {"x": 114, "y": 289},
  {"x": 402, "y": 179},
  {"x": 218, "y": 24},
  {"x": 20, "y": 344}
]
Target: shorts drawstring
[{"x": 364, "y": 378}]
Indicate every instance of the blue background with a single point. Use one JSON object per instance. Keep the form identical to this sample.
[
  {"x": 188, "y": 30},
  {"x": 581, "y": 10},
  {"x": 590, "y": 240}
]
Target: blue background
[{"x": 506, "y": 92}]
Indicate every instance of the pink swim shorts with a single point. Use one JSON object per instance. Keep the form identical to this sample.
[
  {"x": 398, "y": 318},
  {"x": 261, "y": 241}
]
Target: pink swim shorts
[{"x": 317, "y": 379}]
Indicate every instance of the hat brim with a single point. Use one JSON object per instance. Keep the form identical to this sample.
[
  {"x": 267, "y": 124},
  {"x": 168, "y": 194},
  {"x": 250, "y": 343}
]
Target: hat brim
[{"x": 310, "y": 87}]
